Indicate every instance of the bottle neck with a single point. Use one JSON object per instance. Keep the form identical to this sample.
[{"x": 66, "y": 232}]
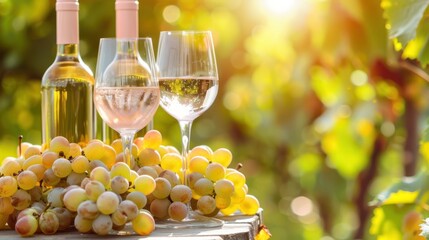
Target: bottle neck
[{"x": 69, "y": 51}]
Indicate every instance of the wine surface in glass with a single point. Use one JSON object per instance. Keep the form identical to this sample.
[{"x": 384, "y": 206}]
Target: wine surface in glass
[
  {"x": 186, "y": 98},
  {"x": 127, "y": 108}
]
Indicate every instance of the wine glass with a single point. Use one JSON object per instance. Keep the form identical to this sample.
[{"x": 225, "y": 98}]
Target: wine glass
[
  {"x": 188, "y": 82},
  {"x": 126, "y": 93}
]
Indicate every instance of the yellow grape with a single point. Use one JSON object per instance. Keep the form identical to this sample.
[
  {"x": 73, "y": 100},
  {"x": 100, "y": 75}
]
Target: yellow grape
[
  {"x": 152, "y": 139},
  {"x": 8, "y": 186},
  {"x": 172, "y": 161},
  {"x": 35, "y": 159},
  {"x": 49, "y": 222},
  {"x": 118, "y": 218},
  {"x": 202, "y": 150},
  {"x": 133, "y": 176},
  {"x": 26, "y": 226},
  {"x": 171, "y": 176},
  {"x": 6, "y": 207},
  {"x": 206, "y": 204},
  {"x": 178, "y": 211},
  {"x": 224, "y": 188},
  {"x": 24, "y": 147},
  {"x": 139, "y": 142},
  {"x": 159, "y": 208},
  {"x": 37, "y": 169},
  {"x": 162, "y": 188},
  {"x": 222, "y": 156},
  {"x": 109, "y": 157},
  {"x": 21, "y": 199},
  {"x": 198, "y": 164},
  {"x": 193, "y": 178},
  {"x": 229, "y": 210},
  {"x": 80, "y": 164},
  {"x": 181, "y": 193},
  {"x": 48, "y": 158},
  {"x": 94, "y": 150},
  {"x": 222, "y": 202},
  {"x": 162, "y": 150},
  {"x": 10, "y": 168},
  {"x": 250, "y": 205},
  {"x": 172, "y": 149},
  {"x": 138, "y": 198},
  {"x": 135, "y": 151},
  {"x": 119, "y": 184},
  {"x": 49, "y": 178},
  {"x": 215, "y": 171},
  {"x": 88, "y": 209},
  {"x": 117, "y": 145},
  {"x": 145, "y": 184},
  {"x": 203, "y": 186},
  {"x": 32, "y": 151},
  {"x": 143, "y": 224},
  {"x": 120, "y": 169},
  {"x": 83, "y": 225},
  {"x": 129, "y": 209},
  {"x": 73, "y": 198},
  {"x": 102, "y": 175},
  {"x": 149, "y": 157},
  {"x": 26, "y": 180},
  {"x": 60, "y": 144},
  {"x": 238, "y": 195},
  {"x": 237, "y": 178},
  {"x": 61, "y": 167},
  {"x": 102, "y": 225},
  {"x": 107, "y": 202},
  {"x": 75, "y": 150},
  {"x": 94, "y": 189}
]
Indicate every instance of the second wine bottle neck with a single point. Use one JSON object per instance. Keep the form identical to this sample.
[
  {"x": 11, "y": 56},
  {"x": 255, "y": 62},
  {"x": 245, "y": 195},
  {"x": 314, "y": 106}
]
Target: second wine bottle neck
[{"x": 68, "y": 51}]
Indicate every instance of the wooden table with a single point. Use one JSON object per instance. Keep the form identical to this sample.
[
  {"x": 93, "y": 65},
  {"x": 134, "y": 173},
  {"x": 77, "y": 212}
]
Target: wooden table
[{"x": 236, "y": 227}]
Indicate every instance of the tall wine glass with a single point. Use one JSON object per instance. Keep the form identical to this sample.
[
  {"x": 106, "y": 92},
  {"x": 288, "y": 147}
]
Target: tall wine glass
[
  {"x": 126, "y": 87},
  {"x": 188, "y": 80}
]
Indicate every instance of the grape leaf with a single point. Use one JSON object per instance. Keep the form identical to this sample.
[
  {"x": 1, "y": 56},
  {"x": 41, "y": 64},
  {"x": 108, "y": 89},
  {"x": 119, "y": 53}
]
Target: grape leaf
[{"x": 404, "y": 16}]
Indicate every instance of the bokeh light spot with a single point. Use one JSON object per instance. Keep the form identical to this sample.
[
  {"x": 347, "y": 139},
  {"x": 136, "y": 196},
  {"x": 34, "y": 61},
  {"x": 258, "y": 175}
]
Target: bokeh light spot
[
  {"x": 359, "y": 77},
  {"x": 301, "y": 206},
  {"x": 171, "y": 13},
  {"x": 232, "y": 101}
]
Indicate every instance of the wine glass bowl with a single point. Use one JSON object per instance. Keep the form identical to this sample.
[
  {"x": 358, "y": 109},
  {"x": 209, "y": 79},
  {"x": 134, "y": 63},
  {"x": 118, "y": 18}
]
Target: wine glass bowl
[{"x": 126, "y": 91}]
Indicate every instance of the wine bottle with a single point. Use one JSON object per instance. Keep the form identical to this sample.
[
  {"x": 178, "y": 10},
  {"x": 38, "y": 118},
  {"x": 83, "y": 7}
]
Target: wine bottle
[
  {"x": 67, "y": 85},
  {"x": 126, "y": 28}
]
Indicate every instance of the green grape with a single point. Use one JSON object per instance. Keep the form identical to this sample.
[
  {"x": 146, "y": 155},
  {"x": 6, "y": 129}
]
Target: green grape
[
  {"x": 249, "y": 206},
  {"x": 118, "y": 218},
  {"x": 237, "y": 178},
  {"x": 178, "y": 211},
  {"x": 120, "y": 169},
  {"x": 203, "y": 151},
  {"x": 60, "y": 144},
  {"x": 88, "y": 209},
  {"x": 222, "y": 156},
  {"x": 138, "y": 198},
  {"x": 94, "y": 150},
  {"x": 94, "y": 189},
  {"x": 80, "y": 164},
  {"x": 61, "y": 167},
  {"x": 159, "y": 208},
  {"x": 75, "y": 178},
  {"x": 8, "y": 186},
  {"x": 224, "y": 188},
  {"x": 48, "y": 158},
  {"x": 229, "y": 210},
  {"x": 75, "y": 150},
  {"x": 143, "y": 224},
  {"x": 35, "y": 159},
  {"x": 83, "y": 225},
  {"x": 10, "y": 168},
  {"x": 238, "y": 195},
  {"x": 172, "y": 162},
  {"x": 193, "y": 178},
  {"x": 222, "y": 202},
  {"x": 145, "y": 184},
  {"x": 49, "y": 222},
  {"x": 162, "y": 188},
  {"x": 129, "y": 209},
  {"x": 73, "y": 198},
  {"x": 198, "y": 164},
  {"x": 119, "y": 184},
  {"x": 21, "y": 199},
  {"x": 181, "y": 193},
  {"x": 152, "y": 139},
  {"x": 215, "y": 171},
  {"x": 148, "y": 170},
  {"x": 49, "y": 178},
  {"x": 148, "y": 157},
  {"x": 100, "y": 174},
  {"x": 55, "y": 197},
  {"x": 38, "y": 170},
  {"x": 203, "y": 186},
  {"x": 26, "y": 226},
  {"x": 26, "y": 180},
  {"x": 6, "y": 207},
  {"x": 107, "y": 202},
  {"x": 170, "y": 176},
  {"x": 109, "y": 156},
  {"x": 206, "y": 204},
  {"x": 102, "y": 225},
  {"x": 32, "y": 150}
]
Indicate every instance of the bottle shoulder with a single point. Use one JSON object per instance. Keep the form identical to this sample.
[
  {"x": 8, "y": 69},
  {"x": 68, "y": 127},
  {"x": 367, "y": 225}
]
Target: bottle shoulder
[{"x": 67, "y": 69}]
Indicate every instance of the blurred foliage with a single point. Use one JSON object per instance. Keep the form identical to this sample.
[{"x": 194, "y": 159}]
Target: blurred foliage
[{"x": 314, "y": 100}]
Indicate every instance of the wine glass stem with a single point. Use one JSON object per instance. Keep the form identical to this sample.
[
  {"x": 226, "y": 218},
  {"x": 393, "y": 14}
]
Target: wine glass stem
[
  {"x": 127, "y": 144},
  {"x": 185, "y": 129}
]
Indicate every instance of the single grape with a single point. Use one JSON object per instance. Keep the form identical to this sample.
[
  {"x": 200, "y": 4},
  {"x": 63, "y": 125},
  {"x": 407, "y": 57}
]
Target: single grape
[
  {"x": 75, "y": 178},
  {"x": 203, "y": 151},
  {"x": 152, "y": 139},
  {"x": 238, "y": 195},
  {"x": 73, "y": 198},
  {"x": 83, "y": 225},
  {"x": 203, "y": 186},
  {"x": 80, "y": 164},
  {"x": 162, "y": 188},
  {"x": 222, "y": 202},
  {"x": 148, "y": 170},
  {"x": 50, "y": 179},
  {"x": 96, "y": 163},
  {"x": 64, "y": 216},
  {"x": 60, "y": 144},
  {"x": 61, "y": 167},
  {"x": 118, "y": 218},
  {"x": 49, "y": 222},
  {"x": 32, "y": 150},
  {"x": 145, "y": 184},
  {"x": 21, "y": 199},
  {"x": 107, "y": 202},
  {"x": 133, "y": 176},
  {"x": 224, "y": 188},
  {"x": 159, "y": 208},
  {"x": 237, "y": 178},
  {"x": 6, "y": 207},
  {"x": 129, "y": 209},
  {"x": 48, "y": 158},
  {"x": 181, "y": 193},
  {"x": 162, "y": 150},
  {"x": 172, "y": 162},
  {"x": 178, "y": 211},
  {"x": 143, "y": 224},
  {"x": 35, "y": 159},
  {"x": 102, "y": 175},
  {"x": 88, "y": 209},
  {"x": 171, "y": 176},
  {"x": 109, "y": 157},
  {"x": 249, "y": 206},
  {"x": 215, "y": 171},
  {"x": 193, "y": 178},
  {"x": 10, "y": 168},
  {"x": 198, "y": 164},
  {"x": 55, "y": 197},
  {"x": 39, "y": 170},
  {"x": 75, "y": 150},
  {"x": 26, "y": 226},
  {"x": 26, "y": 180},
  {"x": 93, "y": 189},
  {"x": 119, "y": 184},
  {"x": 24, "y": 147},
  {"x": 102, "y": 225},
  {"x": 120, "y": 169},
  {"x": 36, "y": 193},
  {"x": 138, "y": 198},
  {"x": 206, "y": 204},
  {"x": 222, "y": 156},
  {"x": 148, "y": 157}
]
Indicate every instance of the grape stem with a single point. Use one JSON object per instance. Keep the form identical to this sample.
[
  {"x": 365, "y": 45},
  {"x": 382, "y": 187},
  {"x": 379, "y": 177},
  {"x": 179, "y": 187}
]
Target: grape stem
[
  {"x": 20, "y": 137},
  {"x": 239, "y": 166}
]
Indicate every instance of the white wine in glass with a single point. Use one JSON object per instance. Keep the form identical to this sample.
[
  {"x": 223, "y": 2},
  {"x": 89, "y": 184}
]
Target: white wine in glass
[{"x": 188, "y": 81}]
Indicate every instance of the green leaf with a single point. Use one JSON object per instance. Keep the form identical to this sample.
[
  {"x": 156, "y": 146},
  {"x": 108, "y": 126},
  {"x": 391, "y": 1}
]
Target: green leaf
[{"x": 404, "y": 16}]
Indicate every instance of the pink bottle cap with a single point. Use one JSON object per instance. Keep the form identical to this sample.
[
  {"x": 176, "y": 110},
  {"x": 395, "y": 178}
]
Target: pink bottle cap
[
  {"x": 67, "y": 21},
  {"x": 127, "y": 18}
]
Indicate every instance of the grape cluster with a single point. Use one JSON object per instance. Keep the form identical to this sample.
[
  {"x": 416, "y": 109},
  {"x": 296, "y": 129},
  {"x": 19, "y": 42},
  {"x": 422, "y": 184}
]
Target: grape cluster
[{"x": 52, "y": 188}]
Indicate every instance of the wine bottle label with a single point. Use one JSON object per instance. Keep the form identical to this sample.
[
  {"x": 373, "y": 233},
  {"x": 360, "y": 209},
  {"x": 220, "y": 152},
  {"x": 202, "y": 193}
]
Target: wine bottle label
[{"x": 67, "y": 21}]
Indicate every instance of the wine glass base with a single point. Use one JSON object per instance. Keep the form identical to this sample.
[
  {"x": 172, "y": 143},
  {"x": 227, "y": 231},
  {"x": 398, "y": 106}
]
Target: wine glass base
[{"x": 193, "y": 220}]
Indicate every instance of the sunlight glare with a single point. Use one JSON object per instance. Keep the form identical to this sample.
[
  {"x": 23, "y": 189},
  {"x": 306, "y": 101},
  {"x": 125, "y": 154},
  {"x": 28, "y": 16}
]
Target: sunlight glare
[{"x": 281, "y": 6}]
